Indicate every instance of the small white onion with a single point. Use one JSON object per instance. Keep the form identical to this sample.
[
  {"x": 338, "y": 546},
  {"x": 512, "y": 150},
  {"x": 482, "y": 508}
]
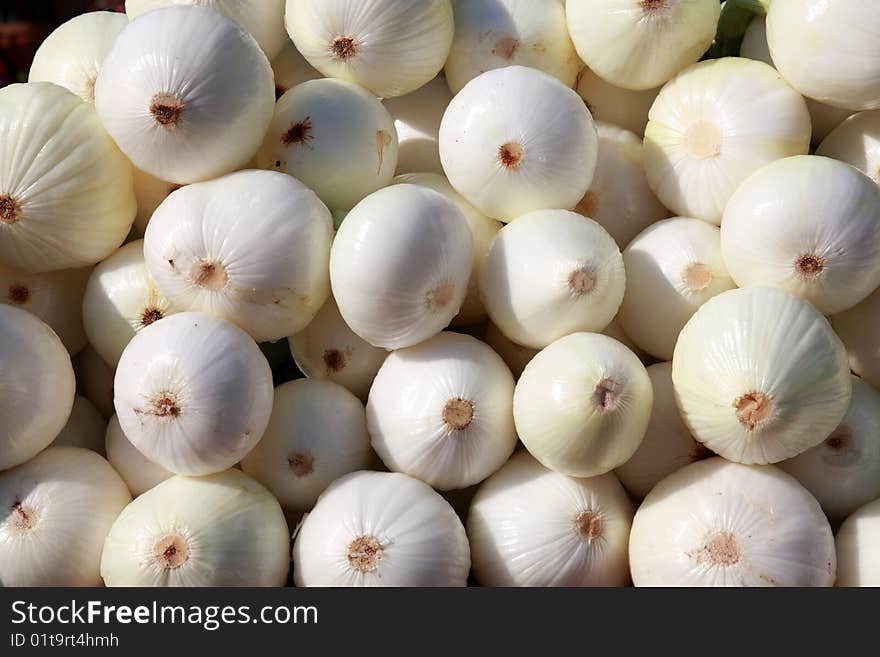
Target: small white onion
[
  {"x": 221, "y": 530},
  {"x": 667, "y": 445},
  {"x": 381, "y": 529},
  {"x": 530, "y": 526},
  {"x": 57, "y": 511},
  {"x": 808, "y": 225},
  {"x": 317, "y": 433},
  {"x": 619, "y": 198},
  {"x": 400, "y": 265},
  {"x": 672, "y": 268},
  {"x": 120, "y": 300},
  {"x": 640, "y": 44},
  {"x": 858, "y": 328},
  {"x": 94, "y": 380},
  {"x": 73, "y": 54},
  {"x": 417, "y": 118},
  {"x": 251, "y": 247},
  {"x": 483, "y": 230},
  {"x": 85, "y": 427},
  {"x": 55, "y": 297},
  {"x": 716, "y": 523},
  {"x": 333, "y": 136},
  {"x": 856, "y": 141},
  {"x": 186, "y": 93},
  {"x": 858, "y": 561},
  {"x": 138, "y": 472},
  {"x": 442, "y": 411},
  {"x": 843, "y": 471},
  {"x": 66, "y": 193},
  {"x": 37, "y": 386},
  {"x": 715, "y": 124},
  {"x": 626, "y": 108},
  {"x": 515, "y": 140},
  {"x": 551, "y": 273},
  {"x": 760, "y": 376},
  {"x": 193, "y": 393},
  {"x": 582, "y": 405},
  {"x": 829, "y": 51},
  {"x": 497, "y": 33},
  {"x": 150, "y": 192},
  {"x": 291, "y": 68},
  {"x": 391, "y": 47}
]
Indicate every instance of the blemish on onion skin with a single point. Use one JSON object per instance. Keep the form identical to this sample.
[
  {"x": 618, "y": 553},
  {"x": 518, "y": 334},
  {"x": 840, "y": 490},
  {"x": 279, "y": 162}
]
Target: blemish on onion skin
[
  {"x": 19, "y": 294},
  {"x": 298, "y": 133},
  {"x": 753, "y": 409},
  {"x": 23, "y": 518},
  {"x": 166, "y": 109},
  {"x": 150, "y": 316},
  {"x": 505, "y": 47},
  {"x": 510, "y": 155},
  {"x": 720, "y": 549},
  {"x": 440, "y": 296},
  {"x": 364, "y": 554},
  {"x": 10, "y": 209},
  {"x": 301, "y": 463},
  {"x": 382, "y": 139},
  {"x": 334, "y": 360},
  {"x": 211, "y": 276},
  {"x": 343, "y": 48},
  {"x": 839, "y": 439}
]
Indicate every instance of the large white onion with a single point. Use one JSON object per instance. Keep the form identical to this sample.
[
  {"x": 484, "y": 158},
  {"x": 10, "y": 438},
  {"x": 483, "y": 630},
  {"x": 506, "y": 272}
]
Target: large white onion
[
  {"x": 515, "y": 140},
  {"x": 417, "y": 117},
  {"x": 252, "y": 247},
  {"x": 85, "y": 427},
  {"x": 221, "y": 530},
  {"x": 391, "y": 47},
  {"x": 291, "y": 68},
  {"x": 381, "y": 529},
  {"x": 530, "y": 526},
  {"x": 858, "y": 561},
  {"x": 138, "y": 472},
  {"x": 809, "y": 225},
  {"x": 186, "y": 93},
  {"x": 856, "y": 141},
  {"x": 193, "y": 393},
  {"x": 57, "y": 511},
  {"x": 760, "y": 376},
  {"x": 400, "y": 265},
  {"x": 626, "y": 108},
  {"x": 442, "y": 411},
  {"x": 858, "y": 328},
  {"x": 716, "y": 523},
  {"x": 94, "y": 380}
]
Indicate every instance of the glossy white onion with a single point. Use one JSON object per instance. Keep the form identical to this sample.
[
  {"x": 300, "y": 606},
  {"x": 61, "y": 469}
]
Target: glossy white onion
[
  {"x": 760, "y": 376},
  {"x": 857, "y": 327},
  {"x": 94, "y": 380},
  {"x": 193, "y": 393},
  {"x": 582, "y": 405},
  {"x": 291, "y": 68},
  {"x": 381, "y": 529},
  {"x": 809, "y": 225},
  {"x": 150, "y": 192},
  {"x": 85, "y": 427},
  {"x": 221, "y": 530},
  {"x": 716, "y": 523},
  {"x": 186, "y": 93},
  {"x": 858, "y": 562},
  {"x": 856, "y": 141},
  {"x": 417, "y": 117},
  {"x": 626, "y": 108},
  {"x": 252, "y": 247},
  {"x": 515, "y": 140},
  {"x": 138, "y": 472}
]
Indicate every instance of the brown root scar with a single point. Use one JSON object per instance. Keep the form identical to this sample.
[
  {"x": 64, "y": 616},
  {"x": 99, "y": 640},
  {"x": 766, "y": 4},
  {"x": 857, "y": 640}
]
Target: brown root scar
[
  {"x": 298, "y": 133},
  {"x": 166, "y": 109},
  {"x": 10, "y": 209}
]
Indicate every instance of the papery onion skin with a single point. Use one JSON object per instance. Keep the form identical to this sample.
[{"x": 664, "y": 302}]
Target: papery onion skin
[
  {"x": 716, "y": 523},
  {"x": 417, "y": 118},
  {"x": 858, "y": 327},
  {"x": 85, "y": 427},
  {"x": 138, "y": 472},
  {"x": 58, "y": 508},
  {"x": 857, "y": 559},
  {"x": 381, "y": 529},
  {"x": 530, "y": 526}
]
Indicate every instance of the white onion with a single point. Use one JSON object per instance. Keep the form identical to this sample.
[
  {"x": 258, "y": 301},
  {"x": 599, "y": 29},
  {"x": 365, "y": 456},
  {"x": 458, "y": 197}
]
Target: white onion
[
  {"x": 442, "y": 411},
  {"x": 828, "y": 50},
  {"x": 381, "y": 529},
  {"x": 551, "y": 273},
  {"x": 856, "y": 141},
  {"x": 582, "y": 405},
  {"x": 150, "y": 192},
  {"x": 55, "y": 297},
  {"x": 57, "y": 510},
  {"x": 417, "y": 117},
  {"x": 186, "y": 93},
  {"x": 138, "y": 472},
  {"x": 333, "y": 136},
  {"x": 483, "y": 230},
  {"x": 400, "y": 265},
  {"x": 713, "y": 125},
  {"x": 262, "y": 18},
  {"x": 66, "y": 194},
  {"x": 715, "y": 523},
  {"x": 73, "y": 54},
  {"x": 640, "y": 44},
  {"x": 672, "y": 268},
  {"x": 858, "y": 328},
  {"x": 808, "y": 225},
  {"x": 530, "y": 526},
  {"x": 94, "y": 380},
  {"x": 36, "y": 389},
  {"x": 251, "y": 247},
  {"x": 619, "y": 198},
  {"x": 515, "y": 356},
  {"x": 120, "y": 300},
  {"x": 626, "y": 108},
  {"x": 291, "y": 68},
  {"x": 843, "y": 471},
  {"x": 193, "y": 393},
  {"x": 760, "y": 376},
  {"x": 221, "y": 530},
  {"x": 857, "y": 557},
  {"x": 667, "y": 445},
  {"x": 515, "y": 140},
  {"x": 85, "y": 427},
  {"x": 492, "y": 34},
  {"x": 317, "y": 433},
  {"x": 391, "y": 47}
]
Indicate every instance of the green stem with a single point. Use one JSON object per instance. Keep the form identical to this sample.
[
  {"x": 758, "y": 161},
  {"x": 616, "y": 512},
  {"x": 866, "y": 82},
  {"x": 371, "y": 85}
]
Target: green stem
[{"x": 735, "y": 18}]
